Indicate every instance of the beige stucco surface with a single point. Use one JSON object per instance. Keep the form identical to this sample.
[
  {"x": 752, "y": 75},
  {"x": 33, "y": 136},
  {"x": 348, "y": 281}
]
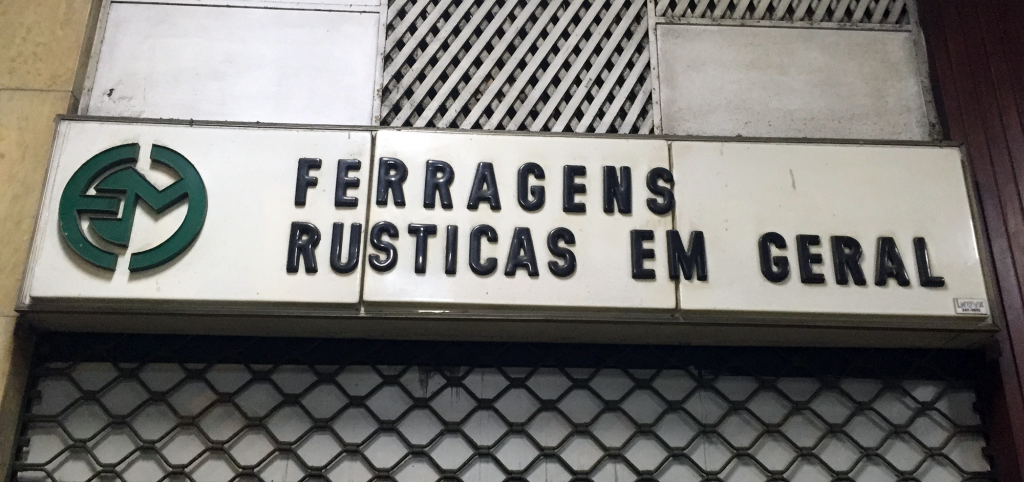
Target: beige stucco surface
[
  {"x": 7, "y": 434},
  {"x": 26, "y": 131},
  {"x": 41, "y": 45},
  {"x": 40, "y": 42}
]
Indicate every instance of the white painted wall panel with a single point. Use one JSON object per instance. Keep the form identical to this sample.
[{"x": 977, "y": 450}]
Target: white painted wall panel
[
  {"x": 238, "y": 64},
  {"x": 790, "y": 82},
  {"x": 297, "y": 4}
]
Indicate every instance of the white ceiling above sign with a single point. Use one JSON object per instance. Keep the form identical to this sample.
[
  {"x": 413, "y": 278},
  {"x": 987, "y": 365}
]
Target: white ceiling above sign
[{"x": 169, "y": 219}]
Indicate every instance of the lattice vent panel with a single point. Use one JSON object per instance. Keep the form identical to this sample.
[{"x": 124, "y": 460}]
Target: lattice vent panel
[
  {"x": 681, "y": 414},
  {"x": 528, "y": 65},
  {"x": 892, "y": 12}
]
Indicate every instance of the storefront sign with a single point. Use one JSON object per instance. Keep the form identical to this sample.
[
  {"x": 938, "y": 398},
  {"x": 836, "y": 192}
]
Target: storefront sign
[{"x": 174, "y": 218}]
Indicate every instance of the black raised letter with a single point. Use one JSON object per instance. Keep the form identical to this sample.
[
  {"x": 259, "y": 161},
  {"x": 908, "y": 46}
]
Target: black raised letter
[
  {"x": 889, "y": 263},
  {"x": 451, "y": 249},
  {"x": 618, "y": 189},
  {"x": 531, "y": 198},
  {"x": 486, "y": 267},
  {"x": 924, "y": 268},
  {"x": 421, "y": 231},
  {"x": 521, "y": 254},
  {"x": 774, "y": 268},
  {"x": 341, "y": 187},
  {"x": 568, "y": 266},
  {"x": 377, "y": 233},
  {"x": 570, "y": 188},
  {"x": 668, "y": 200},
  {"x": 434, "y": 185},
  {"x": 354, "y": 244},
  {"x": 303, "y": 240},
  {"x": 484, "y": 177},
  {"x": 694, "y": 259},
  {"x": 303, "y": 181},
  {"x": 638, "y": 253},
  {"x": 846, "y": 254},
  {"x": 806, "y": 259},
  {"x": 390, "y": 175}
]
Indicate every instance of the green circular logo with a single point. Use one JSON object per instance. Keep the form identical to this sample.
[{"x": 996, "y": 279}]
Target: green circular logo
[{"x": 111, "y": 174}]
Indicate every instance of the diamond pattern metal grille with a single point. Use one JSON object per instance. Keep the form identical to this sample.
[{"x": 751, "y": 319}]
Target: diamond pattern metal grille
[
  {"x": 536, "y": 65},
  {"x": 519, "y": 412},
  {"x": 838, "y": 11}
]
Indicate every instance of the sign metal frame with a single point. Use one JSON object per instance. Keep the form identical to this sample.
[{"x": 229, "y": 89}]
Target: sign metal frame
[{"x": 548, "y": 324}]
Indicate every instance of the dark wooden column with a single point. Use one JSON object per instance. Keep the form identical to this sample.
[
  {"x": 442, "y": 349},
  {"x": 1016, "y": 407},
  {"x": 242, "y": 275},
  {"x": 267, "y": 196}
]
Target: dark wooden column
[{"x": 976, "y": 55}]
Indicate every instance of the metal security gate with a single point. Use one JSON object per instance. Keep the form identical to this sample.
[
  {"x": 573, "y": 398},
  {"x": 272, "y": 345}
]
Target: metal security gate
[{"x": 148, "y": 408}]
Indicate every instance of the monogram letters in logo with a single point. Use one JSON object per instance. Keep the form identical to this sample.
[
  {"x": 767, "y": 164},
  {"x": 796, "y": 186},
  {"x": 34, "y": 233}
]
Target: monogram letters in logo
[{"x": 117, "y": 189}]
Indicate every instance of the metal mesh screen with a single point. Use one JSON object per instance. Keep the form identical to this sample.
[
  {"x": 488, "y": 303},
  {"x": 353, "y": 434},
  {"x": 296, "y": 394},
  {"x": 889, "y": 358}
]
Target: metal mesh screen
[
  {"x": 535, "y": 65},
  {"x": 893, "y": 12},
  {"x": 137, "y": 408}
]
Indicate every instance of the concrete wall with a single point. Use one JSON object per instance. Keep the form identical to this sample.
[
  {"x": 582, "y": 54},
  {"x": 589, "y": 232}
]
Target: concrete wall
[{"x": 41, "y": 44}]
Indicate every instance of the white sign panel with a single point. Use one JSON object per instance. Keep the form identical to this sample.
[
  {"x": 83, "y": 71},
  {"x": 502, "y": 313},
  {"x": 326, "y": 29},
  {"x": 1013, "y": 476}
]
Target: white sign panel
[
  {"x": 514, "y": 220},
  {"x": 245, "y": 177},
  {"x": 826, "y": 229},
  {"x": 239, "y": 220}
]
